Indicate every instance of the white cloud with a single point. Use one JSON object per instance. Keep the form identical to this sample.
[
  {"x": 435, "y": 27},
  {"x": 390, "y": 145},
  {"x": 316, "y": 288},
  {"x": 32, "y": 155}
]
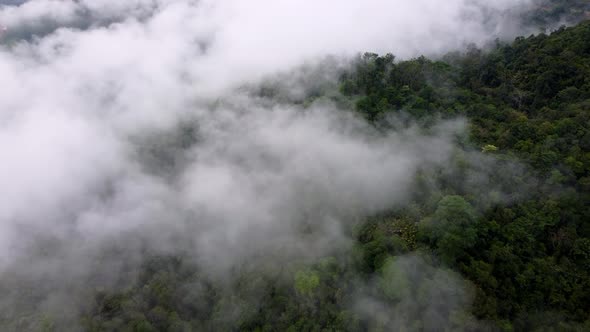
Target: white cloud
[{"x": 88, "y": 86}]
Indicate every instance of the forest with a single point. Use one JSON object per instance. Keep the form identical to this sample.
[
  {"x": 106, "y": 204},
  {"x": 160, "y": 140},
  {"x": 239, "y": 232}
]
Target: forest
[
  {"x": 518, "y": 239},
  {"x": 374, "y": 165}
]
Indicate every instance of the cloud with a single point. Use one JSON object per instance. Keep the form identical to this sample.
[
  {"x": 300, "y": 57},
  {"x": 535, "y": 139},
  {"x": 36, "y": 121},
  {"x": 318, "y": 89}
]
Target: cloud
[
  {"x": 244, "y": 40},
  {"x": 425, "y": 297},
  {"x": 122, "y": 128}
]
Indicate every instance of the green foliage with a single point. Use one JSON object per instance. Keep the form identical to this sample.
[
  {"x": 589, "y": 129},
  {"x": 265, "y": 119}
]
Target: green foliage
[
  {"x": 47, "y": 324},
  {"x": 521, "y": 237},
  {"x": 394, "y": 281},
  {"x": 451, "y": 229},
  {"x": 306, "y": 282},
  {"x": 527, "y": 101},
  {"x": 489, "y": 148}
]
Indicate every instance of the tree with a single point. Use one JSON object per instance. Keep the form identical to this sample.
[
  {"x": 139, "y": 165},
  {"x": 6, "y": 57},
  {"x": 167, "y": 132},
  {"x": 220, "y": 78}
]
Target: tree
[
  {"x": 306, "y": 281},
  {"x": 452, "y": 228}
]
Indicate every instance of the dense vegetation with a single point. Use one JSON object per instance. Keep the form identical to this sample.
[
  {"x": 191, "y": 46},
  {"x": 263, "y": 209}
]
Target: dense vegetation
[
  {"x": 549, "y": 11},
  {"x": 528, "y": 100},
  {"x": 521, "y": 236}
]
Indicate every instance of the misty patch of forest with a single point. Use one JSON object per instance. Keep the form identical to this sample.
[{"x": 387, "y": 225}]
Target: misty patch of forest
[
  {"x": 165, "y": 172},
  {"x": 506, "y": 251}
]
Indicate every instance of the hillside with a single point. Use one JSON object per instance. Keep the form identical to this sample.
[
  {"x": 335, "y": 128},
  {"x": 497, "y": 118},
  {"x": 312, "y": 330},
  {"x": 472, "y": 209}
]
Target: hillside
[
  {"x": 520, "y": 237},
  {"x": 228, "y": 165}
]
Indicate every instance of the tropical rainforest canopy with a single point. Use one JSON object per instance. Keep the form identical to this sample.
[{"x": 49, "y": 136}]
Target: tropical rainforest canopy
[
  {"x": 496, "y": 238},
  {"x": 520, "y": 238}
]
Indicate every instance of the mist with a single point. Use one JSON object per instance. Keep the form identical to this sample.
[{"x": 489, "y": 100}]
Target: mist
[{"x": 126, "y": 131}]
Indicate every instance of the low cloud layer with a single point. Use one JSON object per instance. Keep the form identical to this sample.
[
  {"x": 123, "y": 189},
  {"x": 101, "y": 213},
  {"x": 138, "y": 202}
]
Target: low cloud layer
[
  {"x": 224, "y": 42},
  {"x": 426, "y": 298},
  {"x": 121, "y": 127}
]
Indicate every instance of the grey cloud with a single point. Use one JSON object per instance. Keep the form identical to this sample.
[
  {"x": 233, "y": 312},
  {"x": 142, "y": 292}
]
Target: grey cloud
[
  {"x": 426, "y": 297},
  {"x": 95, "y": 174}
]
